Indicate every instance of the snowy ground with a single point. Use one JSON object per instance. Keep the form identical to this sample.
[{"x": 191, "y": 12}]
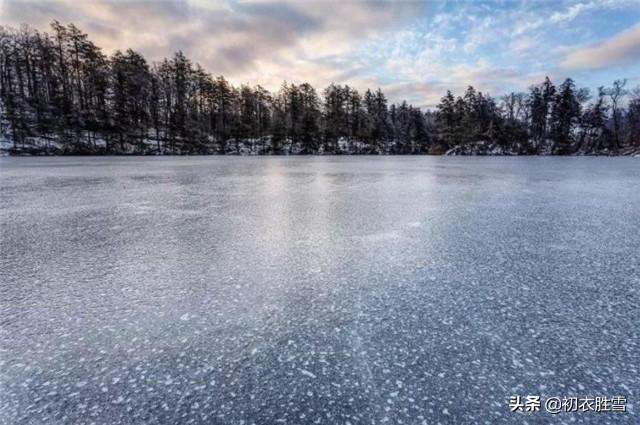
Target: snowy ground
[{"x": 316, "y": 290}]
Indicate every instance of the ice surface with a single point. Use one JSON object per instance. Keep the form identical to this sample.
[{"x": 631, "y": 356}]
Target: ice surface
[{"x": 316, "y": 290}]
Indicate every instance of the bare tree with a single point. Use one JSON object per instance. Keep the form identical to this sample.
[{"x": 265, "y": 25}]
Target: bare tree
[{"x": 616, "y": 93}]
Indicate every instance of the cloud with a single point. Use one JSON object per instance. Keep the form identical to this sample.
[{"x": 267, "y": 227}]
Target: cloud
[
  {"x": 622, "y": 48},
  {"x": 573, "y": 12},
  {"x": 421, "y": 94},
  {"x": 523, "y": 44},
  {"x": 412, "y": 49},
  {"x": 247, "y": 41},
  {"x": 569, "y": 14}
]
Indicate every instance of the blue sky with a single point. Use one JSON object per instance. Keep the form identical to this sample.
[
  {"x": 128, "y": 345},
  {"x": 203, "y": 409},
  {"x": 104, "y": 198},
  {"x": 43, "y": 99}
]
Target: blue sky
[{"x": 413, "y": 50}]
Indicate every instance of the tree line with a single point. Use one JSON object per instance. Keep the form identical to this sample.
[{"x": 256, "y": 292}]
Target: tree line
[{"x": 59, "y": 93}]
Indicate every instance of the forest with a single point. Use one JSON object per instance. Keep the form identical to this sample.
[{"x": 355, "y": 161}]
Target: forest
[{"x": 60, "y": 94}]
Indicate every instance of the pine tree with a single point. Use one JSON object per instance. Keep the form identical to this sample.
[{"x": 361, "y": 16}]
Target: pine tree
[
  {"x": 447, "y": 119},
  {"x": 60, "y": 87},
  {"x": 565, "y": 115}
]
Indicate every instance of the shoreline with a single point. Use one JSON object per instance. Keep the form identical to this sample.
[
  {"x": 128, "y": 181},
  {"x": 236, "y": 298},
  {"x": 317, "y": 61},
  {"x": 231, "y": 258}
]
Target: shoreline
[
  {"x": 5, "y": 154},
  {"x": 150, "y": 147}
]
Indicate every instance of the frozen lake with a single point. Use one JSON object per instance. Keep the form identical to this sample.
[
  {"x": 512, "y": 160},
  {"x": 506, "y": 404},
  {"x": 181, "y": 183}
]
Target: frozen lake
[{"x": 299, "y": 290}]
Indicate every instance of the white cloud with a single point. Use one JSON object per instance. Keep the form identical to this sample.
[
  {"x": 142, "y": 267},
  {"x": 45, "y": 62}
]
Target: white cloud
[
  {"x": 523, "y": 44},
  {"x": 415, "y": 50},
  {"x": 622, "y": 48},
  {"x": 573, "y": 12},
  {"x": 569, "y": 14},
  {"x": 249, "y": 41}
]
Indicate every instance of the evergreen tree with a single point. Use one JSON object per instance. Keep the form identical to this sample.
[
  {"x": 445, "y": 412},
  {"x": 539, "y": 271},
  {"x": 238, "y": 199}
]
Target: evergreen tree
[
  {"x": 565, "y": 115},
  {"x": 447, "y": 120},
  {"x": 60, "y": 91}
]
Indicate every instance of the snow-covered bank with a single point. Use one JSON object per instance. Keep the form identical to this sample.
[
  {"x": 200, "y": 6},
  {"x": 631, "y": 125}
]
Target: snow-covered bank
[
  {"x": 42, "y": 146},
  {"x": 482, "y": 148}
]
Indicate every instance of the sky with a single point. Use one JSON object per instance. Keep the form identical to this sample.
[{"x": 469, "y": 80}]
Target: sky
[{"x": 413, "y": 50}]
